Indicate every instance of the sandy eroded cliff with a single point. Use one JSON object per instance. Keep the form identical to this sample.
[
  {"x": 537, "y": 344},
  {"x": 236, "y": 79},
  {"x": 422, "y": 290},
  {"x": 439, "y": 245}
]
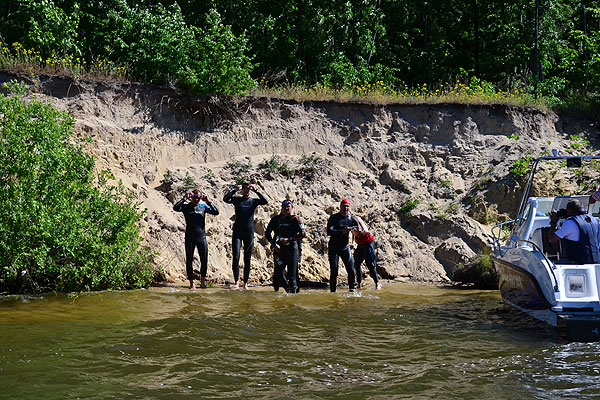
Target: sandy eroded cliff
[{"x": 419, "y": 175}]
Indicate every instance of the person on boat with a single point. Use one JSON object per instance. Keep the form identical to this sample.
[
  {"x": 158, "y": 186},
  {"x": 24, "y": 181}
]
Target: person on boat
[
  {"x": 243, "y": 227},
  {"x": 339, "y": 227},
  {"x": 364, "y": 251},
  {"x": 285, "y": 232},
  {"x": 195, "y": 231},
  {"x": 579, "y": 234}
]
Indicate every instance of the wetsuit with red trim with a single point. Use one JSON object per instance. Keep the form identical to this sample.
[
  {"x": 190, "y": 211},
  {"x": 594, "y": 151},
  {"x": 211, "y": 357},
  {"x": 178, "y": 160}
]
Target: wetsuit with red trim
[
  {"x": 243, "y": 229},
  {"x": 339, "y": 247},
  {"x": 195, "y": 233},
  {"x": 365, "y": 251}
]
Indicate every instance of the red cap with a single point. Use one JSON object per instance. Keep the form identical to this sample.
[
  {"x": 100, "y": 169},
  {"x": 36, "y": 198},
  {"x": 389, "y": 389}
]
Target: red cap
[{"x": 345, "y": 201}]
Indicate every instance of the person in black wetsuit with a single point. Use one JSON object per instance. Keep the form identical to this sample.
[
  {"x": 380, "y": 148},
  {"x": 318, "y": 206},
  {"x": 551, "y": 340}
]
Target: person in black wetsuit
[
  {"x": 279, "y": 279},
  {"x": 285, "y": 232},
  {"x": 339, "y": 227},
  {"x": 195, "y": 232},
  {"x": 243, "y": 227}
]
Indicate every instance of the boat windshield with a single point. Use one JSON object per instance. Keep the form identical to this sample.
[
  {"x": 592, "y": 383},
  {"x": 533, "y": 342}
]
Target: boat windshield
[
  {"x": 544, "y": 206},
  {"x": 560, "y": 202}
]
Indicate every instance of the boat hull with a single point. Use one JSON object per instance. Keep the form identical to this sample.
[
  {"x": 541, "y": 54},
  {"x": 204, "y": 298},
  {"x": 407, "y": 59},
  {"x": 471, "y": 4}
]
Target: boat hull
[{"x": 521, "y": 290}]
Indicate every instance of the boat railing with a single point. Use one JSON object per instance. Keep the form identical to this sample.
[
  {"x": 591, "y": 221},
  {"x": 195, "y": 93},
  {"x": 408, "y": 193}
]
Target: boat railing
[
  {"x": 549, "y": 264},
  {"x": 497, "y": 238}
]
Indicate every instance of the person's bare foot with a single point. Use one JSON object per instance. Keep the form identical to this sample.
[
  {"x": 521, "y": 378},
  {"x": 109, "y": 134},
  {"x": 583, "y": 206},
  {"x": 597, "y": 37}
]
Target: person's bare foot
[
  {"x": 202, "y": 282},
  {"x": 245, "y": 285},
  {"x": 358, "y": 285},
  {"x": 378, "y": 286},
  {"x": 192, "y": 285},
  {"x": 236, "y": 285}
]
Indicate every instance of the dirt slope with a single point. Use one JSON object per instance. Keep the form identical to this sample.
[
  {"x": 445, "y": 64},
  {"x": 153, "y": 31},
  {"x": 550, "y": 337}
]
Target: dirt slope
[{"x": 449, "y": 163}]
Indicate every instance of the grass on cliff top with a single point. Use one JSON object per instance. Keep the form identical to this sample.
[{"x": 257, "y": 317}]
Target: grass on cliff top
[
  {"x": 17, "y": 59},
  {"x": 473, "y": 92}
]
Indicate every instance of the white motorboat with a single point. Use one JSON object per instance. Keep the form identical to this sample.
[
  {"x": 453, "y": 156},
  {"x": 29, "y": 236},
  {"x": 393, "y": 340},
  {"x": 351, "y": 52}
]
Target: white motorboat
[{"x": 534, "y": 275}]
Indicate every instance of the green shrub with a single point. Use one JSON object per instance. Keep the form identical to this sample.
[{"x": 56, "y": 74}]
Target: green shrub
[
  {"x": 408, "y": 206},
  {"x": 189, "y": 183},
  {"x": 521, "y": 167},
  {"x": 452, "y": 208},
  {"x": 51, "y": 29},
  {"x": 480, "y": 273},
  {"x": 61, "y": 227},
  {"x": 238, "y": 166},
  {"x": 278, "y": 166},
  {"x": 308, "y": 165},
  {"x": 160, "y": 47}
]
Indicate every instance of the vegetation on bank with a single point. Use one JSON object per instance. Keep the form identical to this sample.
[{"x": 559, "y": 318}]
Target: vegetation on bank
[
  {"x": 371, "y": 50},
  {"x": 62, "y": 226},
  {"x": 480, "y": 273},
  {"x": 17, "y": 59}
]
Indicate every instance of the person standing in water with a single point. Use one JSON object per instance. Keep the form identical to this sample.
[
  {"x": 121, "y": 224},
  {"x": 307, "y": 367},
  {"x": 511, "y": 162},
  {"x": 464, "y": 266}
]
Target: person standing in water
[
  {"x": 289, "y": 232},
  {"x": 243, "y": 227},
  {"x": 195, "y": 232},
  {"x": 339, "y": 227},
  {"x": 279, "y": 279},
  {"x": 364, "y": 252}
]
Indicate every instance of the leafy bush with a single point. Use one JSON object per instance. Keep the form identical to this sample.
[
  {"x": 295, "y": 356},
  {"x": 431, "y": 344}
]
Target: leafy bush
[
  {"x": 480, "y": 273},
  {"x": 218, "y": 62},
  {"x": 342, "y": 72},
  {"x": 160, "y": 47},
  {"x": 276, "y": 165},
  {"x": 452, "y": 208},
  {"x": 61, "y": 227},
  {"x": 521, "y": 167},
  {"x": 308, "y": 165},
  {"x": 50, "y": 28},
  {"x": 238, "y": 166},
  {"x": 408, "y": 206},
  {"x": 188, "y": 184}
]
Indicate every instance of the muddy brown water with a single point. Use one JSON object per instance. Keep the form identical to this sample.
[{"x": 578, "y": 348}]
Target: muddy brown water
[{"x": 406, "y": 341}]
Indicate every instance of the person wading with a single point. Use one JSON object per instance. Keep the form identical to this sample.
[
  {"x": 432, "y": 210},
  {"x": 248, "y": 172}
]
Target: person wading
[
  {"x": 364, "y": 252},
  {"x": 288, "y": 232},
  {"x": 339, "y": 227},
  {"x": 243, "y": 227},
  {"x": 195, "y": 232}
]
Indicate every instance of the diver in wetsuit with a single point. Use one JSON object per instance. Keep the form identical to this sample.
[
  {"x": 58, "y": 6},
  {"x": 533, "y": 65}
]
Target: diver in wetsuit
[
  {"x": 243, "y": 227},
  {"x": 288, "y": 232},
  {"x": 195, "y": 232},
  {"x": 279, "y": 279},
  {"x": 339, "y": 226},
  {"x": 364, "y": 252}
]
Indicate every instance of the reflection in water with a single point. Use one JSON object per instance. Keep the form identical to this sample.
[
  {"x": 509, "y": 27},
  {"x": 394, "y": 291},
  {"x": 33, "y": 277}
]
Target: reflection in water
[{"x": 407, "y": 341}]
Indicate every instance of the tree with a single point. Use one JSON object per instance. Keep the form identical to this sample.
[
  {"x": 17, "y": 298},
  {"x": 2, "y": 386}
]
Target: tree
[{"x": 61, "y": 227}]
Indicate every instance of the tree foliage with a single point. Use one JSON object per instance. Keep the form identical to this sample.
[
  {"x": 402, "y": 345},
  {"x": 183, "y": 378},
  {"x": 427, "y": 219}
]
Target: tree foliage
[
  {"x": 213, "y": 46},
  {"x": 61, "y": 227}
]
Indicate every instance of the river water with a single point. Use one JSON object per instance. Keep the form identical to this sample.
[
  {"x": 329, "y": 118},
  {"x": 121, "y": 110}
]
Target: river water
[{"x": 406, "y": 341}]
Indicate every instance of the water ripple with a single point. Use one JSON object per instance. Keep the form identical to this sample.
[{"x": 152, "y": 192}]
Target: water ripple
[{"x": 404, "y": 342}]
